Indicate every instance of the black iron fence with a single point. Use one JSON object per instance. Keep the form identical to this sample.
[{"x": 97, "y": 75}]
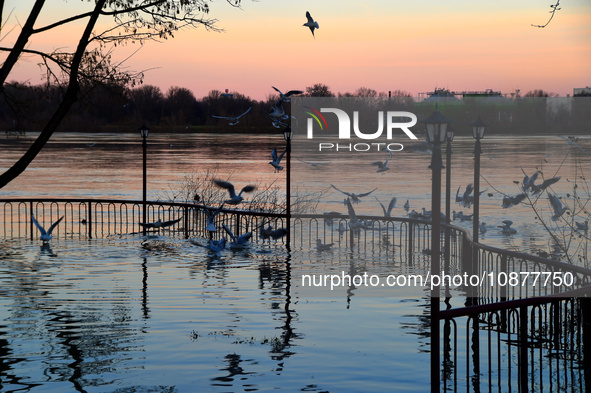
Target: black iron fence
[{"x": 527, "y": 337}]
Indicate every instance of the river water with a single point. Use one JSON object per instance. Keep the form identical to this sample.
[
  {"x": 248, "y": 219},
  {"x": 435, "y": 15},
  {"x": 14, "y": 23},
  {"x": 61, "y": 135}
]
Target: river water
[{"x": 125, "y": 315}]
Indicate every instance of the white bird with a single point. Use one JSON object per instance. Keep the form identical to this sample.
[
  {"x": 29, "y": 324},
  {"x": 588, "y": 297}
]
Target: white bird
[
  {"x": 407, "y": 205},
  {"x": 216, "y": 247},
  {"x": 354, "y": 197},
  {"x": 354, "y": 223},
  {"x": 466, "y": 199},
  {"x": 211, "y": 218},
  {"x": 557, "y": 206},
  {"x": 240, "y": 242},
  {"x": 311, "y": 23},
  {"x": 583, "y": 227},
  {"x": 234, "y": 199},
  {"x": 233, "y": 120},
  {"x": 529, "y": 181},
  {"x": 277, "y": 112},
  {"x": 45, "y": 235},
  {"x": 269, "y": 232},
  {"x": 285, "y": 97},
  {"x": 506, "y": 228},
  {"x": 545, "y": 184},
  {"x": 160, "y": 224},
  {"x": 483, "y": 227},
  {"x": 322, "y": 247},
  {"x": 314, "y": 164},
  {"x": 382, "y": 166},
  {"x": 571, "y": 140},
  {"x": 391, "y": 206},
  {"x": 509, "y": 201},
  {"x": 461, "y": 216},
  {"x": 276, "y": 159}
]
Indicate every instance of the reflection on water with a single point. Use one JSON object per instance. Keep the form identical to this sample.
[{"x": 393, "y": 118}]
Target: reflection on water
[
  {"x": 115, "y": 315},
  {"x": 132, "y": 315}
]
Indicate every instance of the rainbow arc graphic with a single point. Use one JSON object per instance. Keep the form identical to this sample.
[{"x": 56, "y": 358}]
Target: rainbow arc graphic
[{"x": 316, "y": 115}]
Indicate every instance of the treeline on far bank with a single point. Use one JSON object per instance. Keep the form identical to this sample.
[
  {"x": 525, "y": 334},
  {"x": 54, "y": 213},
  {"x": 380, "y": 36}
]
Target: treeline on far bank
[{"x": 108, "y": 108}]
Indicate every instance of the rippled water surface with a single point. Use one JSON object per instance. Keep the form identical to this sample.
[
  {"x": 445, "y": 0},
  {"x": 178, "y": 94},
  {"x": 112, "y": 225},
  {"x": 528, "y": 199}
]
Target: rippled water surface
[{"x": 128, "y": 314}]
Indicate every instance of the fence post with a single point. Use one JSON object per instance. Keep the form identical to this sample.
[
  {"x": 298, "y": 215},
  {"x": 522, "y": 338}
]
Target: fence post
[
  {"x": 410, "y": 243},
  {"x": 523, "y": 345},
  {"x": 585, "y": 310},
  {"x": 89, "y": 221},
  {"x": 30, "y": 220},
  {"x": 186, "y": 221}
]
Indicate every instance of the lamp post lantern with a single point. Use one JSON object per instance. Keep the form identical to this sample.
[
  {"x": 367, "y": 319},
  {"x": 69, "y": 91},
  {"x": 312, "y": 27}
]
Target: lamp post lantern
[
  {"x": 478, "y": 128},
  {"x": 288, "y": 134},
  {"x": 144, "y": 131},
  {"x": 436, "y": 127}
]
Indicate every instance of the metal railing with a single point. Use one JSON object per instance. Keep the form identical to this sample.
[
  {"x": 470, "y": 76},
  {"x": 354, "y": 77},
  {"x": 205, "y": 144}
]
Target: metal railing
[
  {"x": 530, "y": 337},
  {"x": 99, "y": 218}
]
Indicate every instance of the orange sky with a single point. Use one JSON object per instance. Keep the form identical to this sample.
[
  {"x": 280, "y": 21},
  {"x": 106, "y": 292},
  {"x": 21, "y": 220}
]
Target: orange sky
[{"x": 383, "y": 45}]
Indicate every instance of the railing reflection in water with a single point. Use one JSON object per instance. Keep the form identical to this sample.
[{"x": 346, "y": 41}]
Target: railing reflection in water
[{"x": 520, "y": 338}]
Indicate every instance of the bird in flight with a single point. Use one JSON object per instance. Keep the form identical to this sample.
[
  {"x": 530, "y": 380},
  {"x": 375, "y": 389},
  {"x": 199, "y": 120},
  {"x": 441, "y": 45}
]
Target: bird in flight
[
  {"x": 285, "y": 97},
  {"x": 354, "y": 197},
  {"x": 238, "y": 242},
  {"x": 233, "y": 120},
  {"x": 234, "y": 199},
  {"x": 382, "y": 166},
  {"x": 160, "y": 223},
  {"x": 276, "y": 160},
  {"x": 45, "y": 235},
  {"x": 311, "y": 23},
  {"x": 211, "y": 218},
  {"x": 391, "y": 205}
]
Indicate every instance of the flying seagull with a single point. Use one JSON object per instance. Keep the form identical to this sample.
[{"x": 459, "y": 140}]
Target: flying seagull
[
  {"x": 571, "y": 140},
  {"x": 211, "y": 218},
  {"x": 354, "y": 222},
  {"x": 160, "y": 223},
  {"x": 276, "y": 160},
  {"x": 311, "y": 23},
  {"x": 391, "y": 205},
  {"x": 354, "y": 197},
  {"x": 233, "y": 120},
  {"x": 314, "y": 164},
  {"x": 556, "y": 206},
  {"x": 45, "y": 235},
  {"x": 382, "y": 166},
  {"x": 234, "y": 199},
  {"x": 269, "y": 232},
  {"x": 285, "y": 97},
  {"x": 239, "y": 242}
]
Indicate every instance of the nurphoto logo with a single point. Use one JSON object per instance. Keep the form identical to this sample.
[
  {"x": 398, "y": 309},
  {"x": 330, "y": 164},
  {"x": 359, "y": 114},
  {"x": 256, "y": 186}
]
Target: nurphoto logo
[{"x": 367, "y": 124}]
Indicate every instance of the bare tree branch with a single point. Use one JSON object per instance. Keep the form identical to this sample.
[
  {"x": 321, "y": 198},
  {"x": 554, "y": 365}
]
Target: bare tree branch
[{"x": 554, "y": 8}]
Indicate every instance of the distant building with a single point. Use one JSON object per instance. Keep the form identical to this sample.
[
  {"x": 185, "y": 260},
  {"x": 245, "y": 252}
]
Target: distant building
[
  {"x": 227, "y": 94},
  {"x": 582, "y": 91},
  {"x": 441, "y": 96}
]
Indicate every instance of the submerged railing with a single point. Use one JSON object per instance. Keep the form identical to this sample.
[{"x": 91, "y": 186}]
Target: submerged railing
[
  {"x": 98, "y": 218},
  {"x": 530, "y": 337}
]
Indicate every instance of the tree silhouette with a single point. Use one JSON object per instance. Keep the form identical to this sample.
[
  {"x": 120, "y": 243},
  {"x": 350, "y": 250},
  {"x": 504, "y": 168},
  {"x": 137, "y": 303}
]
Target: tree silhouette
[{"x": 91, "y": 63}]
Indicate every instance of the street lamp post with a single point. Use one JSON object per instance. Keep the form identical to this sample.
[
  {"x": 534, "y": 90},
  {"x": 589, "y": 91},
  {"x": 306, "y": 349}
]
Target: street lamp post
[
  {"x": 478, "y": 128},
  {"x": 449, "y": 139},
  {"x": 287, "y": 134},
  {"x": 436, "y": 125},
  {"x": 144, "y": 131}
]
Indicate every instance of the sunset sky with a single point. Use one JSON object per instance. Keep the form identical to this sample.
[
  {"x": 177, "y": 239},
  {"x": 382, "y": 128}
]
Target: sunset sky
[{"x": 384, "y": 45}]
